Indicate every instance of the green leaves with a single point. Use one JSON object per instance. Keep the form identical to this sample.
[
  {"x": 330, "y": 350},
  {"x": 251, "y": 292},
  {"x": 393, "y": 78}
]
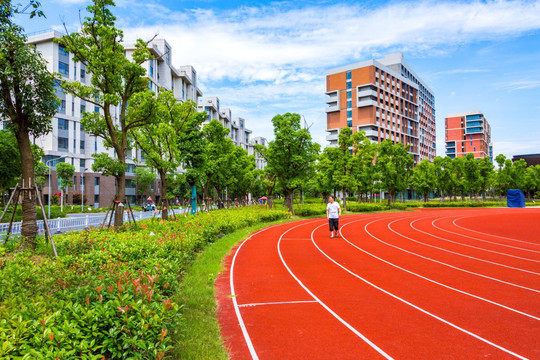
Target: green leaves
[{"x": 109, "y": 294}]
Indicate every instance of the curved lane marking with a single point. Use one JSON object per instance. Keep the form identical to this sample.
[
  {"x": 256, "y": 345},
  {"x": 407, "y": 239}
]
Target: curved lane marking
[
  {"x": 233, "y": 294},
  {"x": 417, "y": 307},
  {"x": 443, "y": 263},
  {"x": 499, "y": 236},
  {"x": 467, "y": 245},
  {"x": 477, "y": 239},
  {"x": 438, "y": 283},
  {"x": 349, "y": 326},
  {"x": 456, "y": 253}
]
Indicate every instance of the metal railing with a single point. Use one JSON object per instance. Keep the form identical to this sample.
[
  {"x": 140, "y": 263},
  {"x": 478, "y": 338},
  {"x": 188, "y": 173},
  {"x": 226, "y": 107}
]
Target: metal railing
[{"x": 60, "y": 225}]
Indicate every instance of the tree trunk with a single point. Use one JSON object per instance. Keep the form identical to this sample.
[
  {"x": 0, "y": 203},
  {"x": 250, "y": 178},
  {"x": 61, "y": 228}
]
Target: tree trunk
[
  {"x": 344, "y": 199},
  {"x": 289, "y": 200},
  {"x": 121, "y": 199},
  {"x": 164, "y": 199},
  {"x": 29, "y": 227}
]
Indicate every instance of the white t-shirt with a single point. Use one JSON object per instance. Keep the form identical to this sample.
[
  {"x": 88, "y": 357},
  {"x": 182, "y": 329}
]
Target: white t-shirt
[{"x": 333, "y": 210}]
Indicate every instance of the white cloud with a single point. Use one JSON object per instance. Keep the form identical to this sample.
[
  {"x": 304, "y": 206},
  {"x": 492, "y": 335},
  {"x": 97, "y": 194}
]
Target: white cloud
[
  {"x": 261, "y": 61},
  {"x": 521, "y": 85}
]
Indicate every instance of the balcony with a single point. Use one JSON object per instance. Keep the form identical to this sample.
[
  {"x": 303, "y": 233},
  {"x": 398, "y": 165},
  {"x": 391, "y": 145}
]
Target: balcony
[{"x": 332, "y": 137}]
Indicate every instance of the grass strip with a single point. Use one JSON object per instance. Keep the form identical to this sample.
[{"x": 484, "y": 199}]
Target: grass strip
[{"x": 198, "y": 336}]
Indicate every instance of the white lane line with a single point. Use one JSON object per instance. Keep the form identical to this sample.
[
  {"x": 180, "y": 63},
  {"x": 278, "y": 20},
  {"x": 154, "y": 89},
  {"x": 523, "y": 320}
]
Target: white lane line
[
  {"x": 438, "y": 283},
  {"x": 233, "y": 295},
  {"x": 279, "y": 303},
  {"x": 477, "y": 239},
  {"x": 483, "y": 233},
  {"x": 467, "y": 245},
  {"x": 459, "y": 254},
  {"x": 350, "y": 327},
  {"x": 296, "y": 239},
  {"x": 445, "y": 264},
  {"x": 417, "y": 307}
]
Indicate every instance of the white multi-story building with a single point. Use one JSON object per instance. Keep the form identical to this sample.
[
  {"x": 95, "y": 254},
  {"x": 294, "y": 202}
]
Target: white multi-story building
[
  {"x": 260, "y": 163},
  {"x": 241, "y": 134},
  {"x": 237, "y": 130},
  {"x": 68, "y": 142}
]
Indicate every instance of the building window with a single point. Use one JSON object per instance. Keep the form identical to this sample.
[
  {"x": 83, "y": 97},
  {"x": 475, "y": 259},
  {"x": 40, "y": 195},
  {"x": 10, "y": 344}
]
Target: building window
[
  {"x": 62, "y": 106},
  {"x": 349, "y": 85},
  {"x": 349, "y": 114},
  {"x": 349, "y": 104},
  {"x": 83, "y": 163},
  {"x": 62, "y": 51},
  {"x": 96, "y": 181},
  {"x": 83, "y": 109},
  {"x": 62, "y": 144},
  {"x": 96, "y": 198},
  {"x": 63, "y": 68},
  {"x": 83, "y": 75},
  {"x": 349, "y": 75},
  {"x": 130, "y": 168},
  {"x": 349, "y": 95},
  {"x": 349, "y": 123},
  {"x": 82, "y": 146},
  {"x": 96, "y": 108},
  {"x": 63, "y": 124}
]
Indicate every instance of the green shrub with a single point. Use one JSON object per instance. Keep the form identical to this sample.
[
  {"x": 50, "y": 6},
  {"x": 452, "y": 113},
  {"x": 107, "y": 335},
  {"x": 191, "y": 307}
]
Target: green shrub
[
  {"x": 108, "y": 294},
  {"x": 366, "y": 207}
]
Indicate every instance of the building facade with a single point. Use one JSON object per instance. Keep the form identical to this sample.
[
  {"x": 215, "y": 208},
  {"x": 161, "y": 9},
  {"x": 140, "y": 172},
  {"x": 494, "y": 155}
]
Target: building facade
[
  {"x": 385, "y": 99},
  {"x": 68, "y": 142},
  {"x": 468, "y": 133},
  {"x": 260, "y": 163},
  {"x": 238, "y": 132}
]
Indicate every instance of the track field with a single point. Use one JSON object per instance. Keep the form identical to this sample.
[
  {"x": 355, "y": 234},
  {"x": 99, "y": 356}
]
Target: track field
[{"x": 428, "y": 284}]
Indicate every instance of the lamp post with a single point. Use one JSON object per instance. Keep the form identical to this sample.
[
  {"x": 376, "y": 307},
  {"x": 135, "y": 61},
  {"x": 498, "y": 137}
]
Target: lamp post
[
  {"x": 82, "y": 189},
  {"x": 47, "y": 164}
]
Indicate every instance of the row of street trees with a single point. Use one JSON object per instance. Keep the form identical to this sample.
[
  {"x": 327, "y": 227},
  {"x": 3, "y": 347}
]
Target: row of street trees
[{"x": 171, "y": 134}]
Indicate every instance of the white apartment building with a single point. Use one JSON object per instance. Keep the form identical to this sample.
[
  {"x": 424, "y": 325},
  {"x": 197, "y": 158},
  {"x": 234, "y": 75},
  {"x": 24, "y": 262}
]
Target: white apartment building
[
  {"x": 238, "y": 133},
  {"x": 260, "y": 163},
  {"x": 68, "y": 142}
]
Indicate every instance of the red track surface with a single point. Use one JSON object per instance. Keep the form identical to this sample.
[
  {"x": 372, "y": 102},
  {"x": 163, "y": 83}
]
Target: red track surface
[{"x": 432, "y": 284}]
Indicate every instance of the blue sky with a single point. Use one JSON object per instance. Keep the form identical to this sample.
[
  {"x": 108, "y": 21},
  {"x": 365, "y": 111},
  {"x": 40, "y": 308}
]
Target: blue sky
[{"x": 263, "y": 58}]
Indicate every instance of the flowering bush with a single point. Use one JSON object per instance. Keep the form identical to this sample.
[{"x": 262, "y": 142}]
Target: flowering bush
[{"x": 108, "y": 294}]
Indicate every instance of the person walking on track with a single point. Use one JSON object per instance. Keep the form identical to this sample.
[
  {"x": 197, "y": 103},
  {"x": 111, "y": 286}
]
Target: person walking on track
[{"x": 333, "y": 211}]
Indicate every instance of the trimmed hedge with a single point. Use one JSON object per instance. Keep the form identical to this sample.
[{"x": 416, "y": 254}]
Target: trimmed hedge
[{"x": 108, "y": 294}]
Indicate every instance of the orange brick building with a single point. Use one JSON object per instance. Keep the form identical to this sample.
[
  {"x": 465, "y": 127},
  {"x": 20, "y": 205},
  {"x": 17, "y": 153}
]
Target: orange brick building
[
  {"x": 468, "y": 132},
  {"x": 384, "y": 98}
]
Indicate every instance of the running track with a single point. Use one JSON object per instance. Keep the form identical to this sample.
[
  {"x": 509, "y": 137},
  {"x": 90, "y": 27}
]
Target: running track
[{"x": 430, "y": 284}]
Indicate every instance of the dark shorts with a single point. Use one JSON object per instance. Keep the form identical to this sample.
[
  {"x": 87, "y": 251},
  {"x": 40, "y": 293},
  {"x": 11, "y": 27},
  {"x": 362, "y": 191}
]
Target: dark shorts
[{"x": 334, "y": 224}]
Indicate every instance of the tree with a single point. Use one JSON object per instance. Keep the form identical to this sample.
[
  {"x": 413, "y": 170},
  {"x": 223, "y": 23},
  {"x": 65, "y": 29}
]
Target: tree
[
  {"x": 242, "y": 172},
  {"x": 343, "y": 163},
  {"x": 28, "y": 103},
  {"x": 291, "y": 155},
  {"x": 324, "y": 177},
  {"x": 423, "y": 178},
  {"x": 218, "y": 158},
  {"x": 159, "y": 139},
  {"x": 503, "y": 176},
  {"x": 65, "y": 172},
  {"x": 459, "y": 185},
  {"x": 471, "y": 174},
  {"x": 485, "y": 179},
  {"x": 144, "y": 177},
  {"x": 532, "y": 180},
  {"x": 364, "y": 170},
  {"x": 10, "y": 163},
  {"x": 442, "y": 168},
  {"x": 394, "y": 167},
  {"x": 115, "y": 80}
]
